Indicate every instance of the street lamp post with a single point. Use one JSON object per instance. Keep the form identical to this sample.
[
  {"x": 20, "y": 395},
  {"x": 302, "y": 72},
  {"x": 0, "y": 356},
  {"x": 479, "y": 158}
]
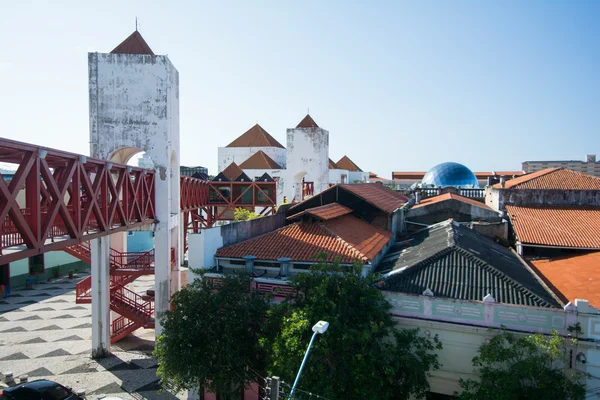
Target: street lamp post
[{"x": 319, "y": 328}]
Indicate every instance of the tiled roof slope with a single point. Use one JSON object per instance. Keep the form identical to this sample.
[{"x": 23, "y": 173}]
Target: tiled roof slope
[
  {"x": 255, "y": 137},
  {"x": 332, "y": 165},
  {"x": 326, "y": 212},
  {"x": 553, "y": 178},
  {"x": 449, "y": 196},
  {"x": 573, "y": 277},
  {"x": 134, "y": 44},
  {"x": 232, "y": 172},
  {"x": 347, "y": 239},
  {"x": 562, "y": 226},
  {"x": 456, "y": 262},
  {"x": 378, "y": 195},
  {"x": 260, "y": 160},
  {"x": 347, "y": 164},
  {"x": 307, "y": 122}
]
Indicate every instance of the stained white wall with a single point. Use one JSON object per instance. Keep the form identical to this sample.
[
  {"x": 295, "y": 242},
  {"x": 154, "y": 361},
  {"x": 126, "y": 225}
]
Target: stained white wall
[
  {"x": 227, "y": 155},
  {"x": 134, "y": 106},
  {"x": 308, "y": 157}
]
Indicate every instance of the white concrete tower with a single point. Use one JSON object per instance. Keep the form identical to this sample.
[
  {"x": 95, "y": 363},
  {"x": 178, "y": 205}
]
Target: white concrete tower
[
  {"x": 307, "y": 158},
  {"x": 134, "y": 107}
]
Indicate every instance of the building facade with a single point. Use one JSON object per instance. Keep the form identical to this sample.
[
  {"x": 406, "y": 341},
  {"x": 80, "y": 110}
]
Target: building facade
[{"x": 590, "y": 166}]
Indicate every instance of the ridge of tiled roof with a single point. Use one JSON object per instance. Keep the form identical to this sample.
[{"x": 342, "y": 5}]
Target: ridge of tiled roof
[
  {"x": 134, "y": 44},
  {"x": 260, "y": 160},
  {"x": 347, "y": 164},
  {"x": 561, "y": 226},
  {"x": 408, "y": 174},
  {"x": 553, "y": 179},
  {"x": 378, "y": 195},
  {"x": 332, "y": 165},
  {"x": 347, "y": 238},
  {"x": 326, "y": 212},
  {"x": 255, "y": 137},
  {"x": 232, "y": 172},
  {"x": 576, "y": 276},
  {"x": 307, "y": 122},
  {"x": 449, "y": 196},
  {"x": 453, "y": 261}
]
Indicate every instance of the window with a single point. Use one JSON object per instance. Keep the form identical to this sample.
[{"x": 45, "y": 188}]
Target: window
[{"x": 36, "y": 265}]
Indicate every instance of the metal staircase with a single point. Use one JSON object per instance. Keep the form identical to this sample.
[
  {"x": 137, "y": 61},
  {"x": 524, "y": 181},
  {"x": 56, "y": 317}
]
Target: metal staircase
[{"x": 135, "y": 311}]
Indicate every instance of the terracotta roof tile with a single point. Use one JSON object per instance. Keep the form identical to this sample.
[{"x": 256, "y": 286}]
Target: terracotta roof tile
[
  {"x": 307, "y": 122},
  {"x": 332, "y": 165},
  {"x": 378, "y": 195},
  {"x": 562, "y": 226},
  {"x": 255, "y": 137},
  {"x": 326, "y": 212},
  {"x": 347, "y": 164},
  {"x": 572, "y": 277},
  {"x": 134, "y": 44},
  {"x": 553, "y": 178},
  {"x": 232, "y": 172},
  {"x": 408, "y": 175},
  {"x": 449, "y": 196},
  {"x": 347, "y": 238},
  {"x": 260, "y": 160},
  {"x": 484, "y": 175}
]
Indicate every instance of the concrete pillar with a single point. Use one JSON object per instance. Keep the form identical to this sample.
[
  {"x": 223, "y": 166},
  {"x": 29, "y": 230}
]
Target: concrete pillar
[
  {"x": 249, "y": 263},
  {"x": 284, "y": 267},
  {"x": 366, "y": 270},
  {"x": 100, "y": 254}
]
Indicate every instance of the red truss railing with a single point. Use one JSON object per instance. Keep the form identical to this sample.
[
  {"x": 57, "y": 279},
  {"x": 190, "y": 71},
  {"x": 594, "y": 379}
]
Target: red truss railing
[{"x": 69, "y": 198}]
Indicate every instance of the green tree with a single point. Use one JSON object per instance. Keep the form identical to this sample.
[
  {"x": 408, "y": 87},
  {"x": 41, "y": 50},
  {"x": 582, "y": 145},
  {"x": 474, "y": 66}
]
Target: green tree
[
  {"x": 362, "y": 355},
  {"x": 211, "y": 335},
  {"x": 523, "y": 367},
  {"x": 243, "y": 214}
]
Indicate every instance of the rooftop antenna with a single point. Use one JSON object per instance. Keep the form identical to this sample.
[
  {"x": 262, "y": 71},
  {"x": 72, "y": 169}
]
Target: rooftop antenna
[
  {"x": 136, "y": 23},
  {"x": 308, "y": 110}
]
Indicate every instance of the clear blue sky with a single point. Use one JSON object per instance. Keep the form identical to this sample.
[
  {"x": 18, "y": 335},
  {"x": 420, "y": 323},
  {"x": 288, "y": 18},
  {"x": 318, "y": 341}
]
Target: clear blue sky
[{"x": 399, "y": 85}]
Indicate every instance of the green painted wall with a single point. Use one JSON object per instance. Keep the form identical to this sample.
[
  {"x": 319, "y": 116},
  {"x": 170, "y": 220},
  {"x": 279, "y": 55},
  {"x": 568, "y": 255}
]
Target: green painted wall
[{"x": 19, "y": 270}]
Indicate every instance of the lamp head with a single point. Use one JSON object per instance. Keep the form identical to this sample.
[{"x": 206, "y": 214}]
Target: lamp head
[{"x": 320, "y": 327}]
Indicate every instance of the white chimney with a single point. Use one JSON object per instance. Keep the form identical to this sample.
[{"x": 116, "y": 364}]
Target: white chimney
[{"x": 502, "y": 181}]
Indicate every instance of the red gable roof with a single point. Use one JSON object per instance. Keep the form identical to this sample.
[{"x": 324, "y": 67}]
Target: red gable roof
[
  {"x": 449, "y": 196},
  {"x": 332, "y": 165},
  {"x": 572, "y": 277},
  {"x": 561, "y": 226},
  {"x": 347, "y": 164},
  {"x": 232, "y": 172},
  {"x": 553, "y": 178},
  {"x": 134, "y": 44},
  {"x": 255, "y": 137},
  {"x": 347, "y": 238},
  {"x": 307, "y": 122},
  {"x": 378, "y": 195},
  {"x": 326, "y": 212},
  {"x": 260, "y": 160}
]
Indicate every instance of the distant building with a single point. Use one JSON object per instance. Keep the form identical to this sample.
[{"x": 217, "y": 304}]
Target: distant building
[
  {"x": 196, "y": 172},
  {"x": 302, "y": 168},
  {"x": 590, "y": 166},
  {"x": 406, "y": 179}
]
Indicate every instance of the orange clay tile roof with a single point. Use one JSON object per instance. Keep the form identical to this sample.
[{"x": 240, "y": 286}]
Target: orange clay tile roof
[
  {"x": 326, "y": 212},
  {"x": 553, "y": 178},
  {"x": 562, "y": 226},
  {"x": 307, "y": 122},
  {"x": 260, "y": 160},
  {"x": 483, "y": 175},
  {"x": 332, "y": 165},
  {"x": 134, "y": 44},
  {"x": 347, "y": 238},
  {"x": 449, "y": 196},
  {"x": 572, "y": 277},
  {"x": 378, "y": 195},
  {"x": 232, "y": 172},
  {"x": 347, "y": 164},
  {"x": 255, "y": 137}
]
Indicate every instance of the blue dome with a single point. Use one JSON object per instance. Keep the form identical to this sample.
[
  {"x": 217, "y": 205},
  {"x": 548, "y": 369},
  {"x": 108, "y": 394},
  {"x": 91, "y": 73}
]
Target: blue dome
[{"x": 450, "y": 174}]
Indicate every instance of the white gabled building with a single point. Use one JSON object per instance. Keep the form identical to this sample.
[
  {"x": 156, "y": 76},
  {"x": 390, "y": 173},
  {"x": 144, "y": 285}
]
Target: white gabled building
[{"x": 302, "y": 168}]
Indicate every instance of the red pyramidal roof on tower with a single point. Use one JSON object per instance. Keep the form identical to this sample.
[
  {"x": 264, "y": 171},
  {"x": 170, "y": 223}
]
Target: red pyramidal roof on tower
[
  {"x": 134, "y": 44},
  {"x": 255, "y": 137},
  {"x": 307, "y": 122}
]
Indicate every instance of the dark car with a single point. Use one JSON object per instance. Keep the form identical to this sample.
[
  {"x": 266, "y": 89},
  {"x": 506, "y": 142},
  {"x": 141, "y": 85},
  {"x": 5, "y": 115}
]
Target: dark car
[{"x": 40, "y": 389}]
